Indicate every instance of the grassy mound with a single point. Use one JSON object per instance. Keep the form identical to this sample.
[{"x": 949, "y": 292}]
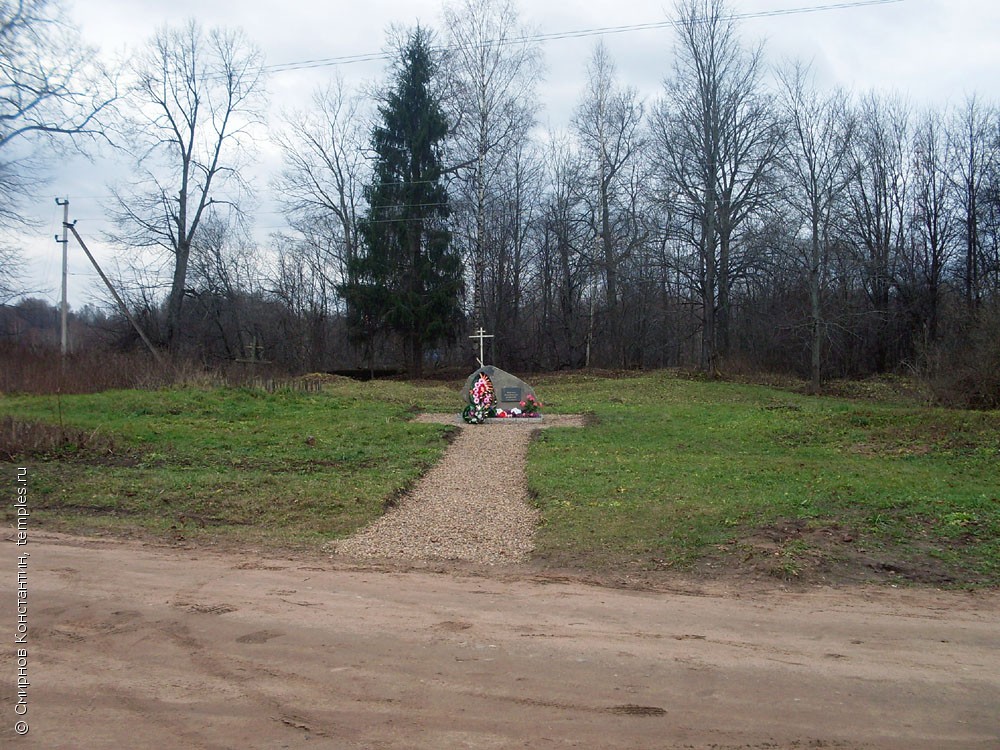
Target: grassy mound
[
  {"x": 288, "y": 467},
  {"x": 719, "y": 476},
  {"x": 671, "y": 474}
]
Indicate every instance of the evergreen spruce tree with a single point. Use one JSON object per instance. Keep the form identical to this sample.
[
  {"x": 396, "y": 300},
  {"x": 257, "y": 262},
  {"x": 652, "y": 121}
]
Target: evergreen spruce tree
[{"x": 407, "y": 279}]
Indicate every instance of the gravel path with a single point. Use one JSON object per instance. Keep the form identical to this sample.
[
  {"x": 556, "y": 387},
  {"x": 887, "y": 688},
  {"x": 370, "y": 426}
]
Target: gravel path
[{"x": 472, "y": 506}]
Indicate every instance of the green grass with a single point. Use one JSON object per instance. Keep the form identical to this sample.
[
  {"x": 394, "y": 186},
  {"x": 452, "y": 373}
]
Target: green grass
[
  {"x": 683, "y": 474},
  {"x": 288, "y": 467},
  {"x": 672, "y": 473}
]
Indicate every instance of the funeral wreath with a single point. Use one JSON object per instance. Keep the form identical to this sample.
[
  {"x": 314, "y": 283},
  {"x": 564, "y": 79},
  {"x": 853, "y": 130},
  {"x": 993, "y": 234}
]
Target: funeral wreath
[{"x": 481, "y": 401}]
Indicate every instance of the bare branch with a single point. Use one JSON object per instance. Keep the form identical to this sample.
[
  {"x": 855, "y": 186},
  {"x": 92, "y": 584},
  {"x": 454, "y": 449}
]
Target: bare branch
[{"x": 193, "y": 113}]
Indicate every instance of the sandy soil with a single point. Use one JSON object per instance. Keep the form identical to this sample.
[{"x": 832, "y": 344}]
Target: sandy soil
[{"x": 132, "y": 645}]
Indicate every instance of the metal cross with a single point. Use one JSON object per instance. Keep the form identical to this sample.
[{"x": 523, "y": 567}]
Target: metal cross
[{"x": 481, "y": 335}]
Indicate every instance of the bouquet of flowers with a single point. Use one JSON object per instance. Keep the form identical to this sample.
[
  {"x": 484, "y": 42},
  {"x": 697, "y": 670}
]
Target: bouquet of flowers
[
  {"x": 531, "y": 406},
  {"x": 481, "y": 400}
]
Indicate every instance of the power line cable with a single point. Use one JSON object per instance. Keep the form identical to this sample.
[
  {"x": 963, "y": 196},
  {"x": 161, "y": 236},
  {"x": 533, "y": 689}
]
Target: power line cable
[
  {"x": 561, "y": 35},
  {"x": 580, "y": 33},
  {"x": 554, "y": 36}
]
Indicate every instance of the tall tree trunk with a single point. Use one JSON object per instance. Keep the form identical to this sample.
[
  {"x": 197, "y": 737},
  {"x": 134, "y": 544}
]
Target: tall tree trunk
[
  {"x": 415, "y": 356},
  {"x": 709, "y": 245},
  {"x": 176, "y": 300},
  {"x": 971, "y": 244},
  {"x": 723, "y": 315},
  {"x": 709, "y": 345},
  {"x": 816, "y": 311},
  {"x": 566, "y": 302},
  {"x": 611, "y": 278}
]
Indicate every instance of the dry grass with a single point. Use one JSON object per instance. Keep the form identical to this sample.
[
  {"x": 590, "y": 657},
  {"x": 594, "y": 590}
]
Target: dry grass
[
  {"x": 24, "y": 370},
  {"x": 27, "y": 439}
]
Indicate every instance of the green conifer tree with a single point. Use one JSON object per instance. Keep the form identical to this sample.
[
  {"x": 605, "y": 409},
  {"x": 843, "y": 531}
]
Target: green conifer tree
[{"x": 407, "y": 279}]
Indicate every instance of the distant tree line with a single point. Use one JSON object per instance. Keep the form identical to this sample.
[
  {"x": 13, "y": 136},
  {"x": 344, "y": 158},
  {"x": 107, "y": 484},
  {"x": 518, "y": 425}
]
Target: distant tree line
[{"x": 745, "y": 219}]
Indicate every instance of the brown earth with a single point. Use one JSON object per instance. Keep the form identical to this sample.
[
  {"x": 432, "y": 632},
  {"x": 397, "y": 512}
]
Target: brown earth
[{"x": 140, "y": 645}]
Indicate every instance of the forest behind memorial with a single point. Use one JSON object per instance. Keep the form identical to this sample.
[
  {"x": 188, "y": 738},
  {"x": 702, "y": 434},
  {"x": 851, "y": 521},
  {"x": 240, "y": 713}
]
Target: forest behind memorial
[{"x": 747, "y": 219}]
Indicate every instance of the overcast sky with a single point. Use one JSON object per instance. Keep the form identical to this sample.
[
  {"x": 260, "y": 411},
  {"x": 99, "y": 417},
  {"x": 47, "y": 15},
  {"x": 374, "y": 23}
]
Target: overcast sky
[{"x": 933, "y": 51}]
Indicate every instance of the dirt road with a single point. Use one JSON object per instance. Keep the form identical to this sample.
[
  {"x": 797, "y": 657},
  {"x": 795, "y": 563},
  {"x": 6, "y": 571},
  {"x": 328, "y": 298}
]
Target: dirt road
[{"x": 138, "y": 646}]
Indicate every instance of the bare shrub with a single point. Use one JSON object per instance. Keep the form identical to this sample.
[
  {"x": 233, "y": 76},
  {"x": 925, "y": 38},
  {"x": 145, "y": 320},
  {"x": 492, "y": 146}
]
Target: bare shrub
[
  {"x": 21, "y": 439},
  {"x": 40, "y": 370},
  {"x": 964, "y": 370}
]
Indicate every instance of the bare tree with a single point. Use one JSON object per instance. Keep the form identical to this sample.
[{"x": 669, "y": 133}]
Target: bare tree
[
  {"x": 974, "y": 141},
  {"x": 990, "y": 222},
  {"x": 321, "y": 190},
  {"x": 564, "y": 270},
  {"x": 494, "y": 68},
  {"x": 53, "y": 93},
  {"x": 523, "y": 201},
  {"x": 194, "y": 105},
  {"x": 607, "y": 124},
  {"x": 321, "y": 185},
  {"x": 817, "y": 164},
  {"x": 930, "y": 250},
  {"x": 9, "y": 274},
  {"x": 223, "y": 275},
  {"x": 301, "y": 282},
  {"x": 878, "y": 197},
  {"x": 718, "y": 143},
  {"x": 514, "y": 203}
]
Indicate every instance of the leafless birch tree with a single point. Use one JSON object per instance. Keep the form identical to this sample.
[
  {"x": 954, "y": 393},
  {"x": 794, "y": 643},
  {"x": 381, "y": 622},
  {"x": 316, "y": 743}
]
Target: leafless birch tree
[{"x": 494, "y": 68}]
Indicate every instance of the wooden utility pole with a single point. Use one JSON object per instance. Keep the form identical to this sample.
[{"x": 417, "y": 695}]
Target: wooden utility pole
[
  {"x": 114, "y": 293},
  {"x": 64, "y": 309}
]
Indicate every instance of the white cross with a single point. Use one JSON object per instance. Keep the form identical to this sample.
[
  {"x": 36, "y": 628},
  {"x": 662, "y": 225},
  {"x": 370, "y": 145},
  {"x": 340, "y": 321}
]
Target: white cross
[{"x": 481, "y": 335}]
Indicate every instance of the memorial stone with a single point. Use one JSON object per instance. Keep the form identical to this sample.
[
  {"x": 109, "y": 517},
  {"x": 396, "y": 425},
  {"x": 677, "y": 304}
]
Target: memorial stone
[{"x": 508, "y": 389}]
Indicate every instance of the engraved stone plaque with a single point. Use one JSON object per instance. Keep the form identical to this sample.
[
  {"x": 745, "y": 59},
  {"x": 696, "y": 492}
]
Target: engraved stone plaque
[{"x": 510, "y": 394}]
